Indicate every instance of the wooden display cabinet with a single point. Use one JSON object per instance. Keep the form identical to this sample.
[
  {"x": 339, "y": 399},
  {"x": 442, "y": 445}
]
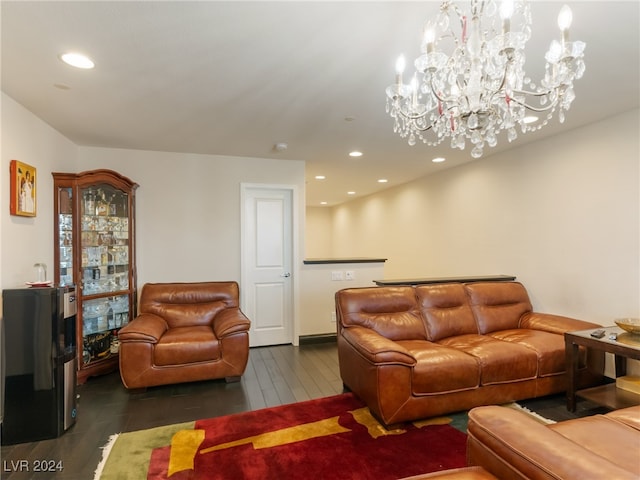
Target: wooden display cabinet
[{"x": 94, "y": 238}]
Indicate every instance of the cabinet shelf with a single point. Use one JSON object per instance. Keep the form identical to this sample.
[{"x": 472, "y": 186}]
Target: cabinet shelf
[
  {"x": 94, "y": 296},
  {"x": 94, "y": 213}
]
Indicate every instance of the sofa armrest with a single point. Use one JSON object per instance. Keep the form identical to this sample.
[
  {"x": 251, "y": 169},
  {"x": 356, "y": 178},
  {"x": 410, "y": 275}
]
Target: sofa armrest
[
  {"x": 146, "y": 327},
  {"x": 230, "y": 321},
  {"x": 375, "y": 348},
  {"x": 502, "y": 440},
  {"x": 554, "y": 323}
]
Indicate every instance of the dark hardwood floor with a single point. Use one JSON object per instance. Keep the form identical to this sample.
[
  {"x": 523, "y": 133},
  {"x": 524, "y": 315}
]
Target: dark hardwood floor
[{"x": 276, "y": 375}]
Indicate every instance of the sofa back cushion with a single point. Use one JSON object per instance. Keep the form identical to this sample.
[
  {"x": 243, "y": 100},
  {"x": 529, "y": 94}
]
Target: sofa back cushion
[
  {"x": 390, "y": 311},
  {"x": 188, "y": 304},
  {"x": 446, "y": 310},
  {"x": 498, "y": 305}
]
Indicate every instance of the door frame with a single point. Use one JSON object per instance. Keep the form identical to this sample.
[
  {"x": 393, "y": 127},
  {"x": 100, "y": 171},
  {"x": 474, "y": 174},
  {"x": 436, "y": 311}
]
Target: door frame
[{"x": 295, "y": 249}]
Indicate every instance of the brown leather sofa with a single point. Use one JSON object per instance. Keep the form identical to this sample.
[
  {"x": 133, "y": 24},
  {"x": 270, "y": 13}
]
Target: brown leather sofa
[
  {"x": 506, "y": 444},
  {"x": 185, "y": 332},
  {"x": 512, "y": 445},
  {"x": 416, "y": 352}
]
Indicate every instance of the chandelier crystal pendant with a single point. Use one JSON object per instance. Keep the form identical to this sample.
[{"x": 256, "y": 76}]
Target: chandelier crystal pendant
[{"x": 480, "y": 87}]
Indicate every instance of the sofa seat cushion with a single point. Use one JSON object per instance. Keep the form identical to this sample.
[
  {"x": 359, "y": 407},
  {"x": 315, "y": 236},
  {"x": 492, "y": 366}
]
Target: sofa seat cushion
[
  {"x": 500, "y": 361},
  {"x": 548, "y": 347},
  {"x": 440, "y": 369},
  {"x": 185, "y": 345},
  {"x": 610, "y": 435}
]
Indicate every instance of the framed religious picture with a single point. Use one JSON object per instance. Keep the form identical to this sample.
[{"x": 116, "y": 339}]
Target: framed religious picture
[{"x": 22, "y": 189}]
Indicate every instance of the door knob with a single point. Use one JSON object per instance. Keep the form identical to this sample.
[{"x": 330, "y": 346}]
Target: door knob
[{"x": 286, "y": 275}]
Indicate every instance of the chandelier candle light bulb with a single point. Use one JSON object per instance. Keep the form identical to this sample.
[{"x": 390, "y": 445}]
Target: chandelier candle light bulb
[
  {"x": 479, "y": 87},
  {"x": 429, "y": 38},
  {"x": 565, "y": 17},
  {"x": 400, "y": 65},
  {"x": 506, "y": 11}
]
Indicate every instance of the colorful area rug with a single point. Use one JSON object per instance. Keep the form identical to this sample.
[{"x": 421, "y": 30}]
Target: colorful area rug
[{"x": 329, "y": 438}]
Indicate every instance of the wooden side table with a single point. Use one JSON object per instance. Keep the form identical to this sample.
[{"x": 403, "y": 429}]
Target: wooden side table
[{"x": 625, "y": 346}]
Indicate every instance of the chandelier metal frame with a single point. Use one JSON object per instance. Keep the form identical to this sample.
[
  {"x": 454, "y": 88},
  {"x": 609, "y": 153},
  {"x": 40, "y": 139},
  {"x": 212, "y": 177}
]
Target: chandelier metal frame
[{"x": 480, "y": 88}]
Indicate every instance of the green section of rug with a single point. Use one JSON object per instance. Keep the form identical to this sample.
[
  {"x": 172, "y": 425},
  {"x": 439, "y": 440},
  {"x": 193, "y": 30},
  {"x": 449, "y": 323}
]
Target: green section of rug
[{"x": 129, "y": 453}]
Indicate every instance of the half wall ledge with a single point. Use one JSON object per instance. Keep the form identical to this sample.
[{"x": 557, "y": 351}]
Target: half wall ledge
[{"x": 326, "y": 261}]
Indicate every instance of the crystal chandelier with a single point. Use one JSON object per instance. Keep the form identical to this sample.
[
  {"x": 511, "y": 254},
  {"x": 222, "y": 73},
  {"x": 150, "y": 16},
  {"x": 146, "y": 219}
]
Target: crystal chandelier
[{"x": 480, "y": 87}]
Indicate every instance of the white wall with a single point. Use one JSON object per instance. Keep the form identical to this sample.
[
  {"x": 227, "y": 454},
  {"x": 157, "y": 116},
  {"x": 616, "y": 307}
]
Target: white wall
[
  {"x": 27, "y": 240},
  {"x": 188, "y": 208},
  {"x": 563, "y": 215},
  {"x": 318, "y": 289},
  {"x": 318, "y": 221}
]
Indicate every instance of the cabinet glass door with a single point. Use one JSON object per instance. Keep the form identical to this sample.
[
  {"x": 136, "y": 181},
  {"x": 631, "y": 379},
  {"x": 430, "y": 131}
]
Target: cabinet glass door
[
  {"x": 104, "y": 240},
  {"x": 101, "y": 319},
  {"x": 65, "y": 236}
]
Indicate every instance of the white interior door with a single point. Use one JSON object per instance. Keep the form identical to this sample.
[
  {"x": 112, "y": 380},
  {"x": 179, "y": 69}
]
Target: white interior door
[{"x": 267, "y": 259}]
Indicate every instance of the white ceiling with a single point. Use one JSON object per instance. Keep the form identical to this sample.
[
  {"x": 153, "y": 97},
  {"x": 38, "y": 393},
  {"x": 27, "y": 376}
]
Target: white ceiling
[{"x": 235, "y": 78}]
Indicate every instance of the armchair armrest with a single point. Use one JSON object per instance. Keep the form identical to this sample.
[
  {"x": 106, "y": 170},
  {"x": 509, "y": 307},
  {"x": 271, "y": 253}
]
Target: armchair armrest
[
  {"x": 230, "y": 321},
  {"x": 146, "y": 327},
  {"x": 554, "y": 323},
  {"x": 376, "y": 348}
]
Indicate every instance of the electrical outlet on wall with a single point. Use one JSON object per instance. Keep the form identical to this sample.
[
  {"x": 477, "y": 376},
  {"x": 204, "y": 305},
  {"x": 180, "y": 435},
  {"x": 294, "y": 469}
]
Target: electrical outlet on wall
[
  {"x": 336, "y": 275},
  {"x": 349, "y": 275}
]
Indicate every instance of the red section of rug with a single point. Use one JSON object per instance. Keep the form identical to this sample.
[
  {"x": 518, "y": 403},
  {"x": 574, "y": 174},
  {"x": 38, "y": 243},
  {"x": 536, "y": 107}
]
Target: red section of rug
[{"x": 353, "y": 454}]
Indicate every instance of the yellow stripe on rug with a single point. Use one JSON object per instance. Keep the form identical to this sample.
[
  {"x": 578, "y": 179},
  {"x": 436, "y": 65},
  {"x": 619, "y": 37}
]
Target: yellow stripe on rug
[
  {"x": 299, "y": 433},
  {"x": 184, "y": 445}
]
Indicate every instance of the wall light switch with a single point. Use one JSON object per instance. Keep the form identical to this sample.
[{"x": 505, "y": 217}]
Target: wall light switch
[
  {"x": 349, "y": 275},
  {"x": 336, "y": 276}
]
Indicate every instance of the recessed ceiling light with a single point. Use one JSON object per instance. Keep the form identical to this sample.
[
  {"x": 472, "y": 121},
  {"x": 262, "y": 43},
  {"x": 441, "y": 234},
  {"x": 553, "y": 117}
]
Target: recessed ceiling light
[
  {"x": 77, "y": 60},
  {"x": 351, "y": 193},
  {"x": 281, "y": 146},
  {"x": 355, "y": 153},
  {"x": 530, "y": 119},
  {"x": 438, "y": 160},
  {"x": 383, "y": 180},
  {"x": 323, "y": 203},
  {"x": 320, "y": 177}
]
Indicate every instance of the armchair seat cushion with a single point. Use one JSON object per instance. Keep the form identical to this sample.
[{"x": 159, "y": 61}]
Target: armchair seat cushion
[{"x": 184, "y": 345}]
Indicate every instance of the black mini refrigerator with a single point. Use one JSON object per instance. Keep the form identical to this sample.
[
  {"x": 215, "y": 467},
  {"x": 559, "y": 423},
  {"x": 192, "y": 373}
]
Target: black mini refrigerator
[{"x": 39, "y": 357}]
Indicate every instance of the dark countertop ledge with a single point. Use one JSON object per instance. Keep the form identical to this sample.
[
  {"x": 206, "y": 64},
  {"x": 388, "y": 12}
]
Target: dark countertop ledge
[
  {"x": 427, "y": 281},
  {"x": 326, "y": 261}
]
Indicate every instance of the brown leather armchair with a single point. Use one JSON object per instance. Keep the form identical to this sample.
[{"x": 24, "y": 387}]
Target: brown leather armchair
[{"x": 185, "y": 332}]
